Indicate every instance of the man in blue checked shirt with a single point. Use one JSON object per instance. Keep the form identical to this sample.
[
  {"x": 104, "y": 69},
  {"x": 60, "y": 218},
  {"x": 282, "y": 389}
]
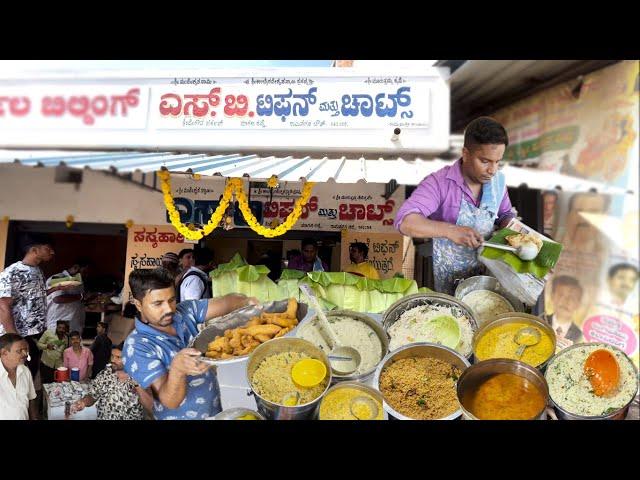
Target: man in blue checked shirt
[{"x": 156, "y": 354}]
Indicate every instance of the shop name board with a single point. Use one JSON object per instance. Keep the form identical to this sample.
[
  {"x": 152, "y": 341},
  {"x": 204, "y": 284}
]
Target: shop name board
[
  {"x": 357, "y": 207},
  {"x": 333, "y": 106},
  {"x": 74, "y": 106},
  {"x": 177, "y": 111},
  {"x": 329, "y": 106}
]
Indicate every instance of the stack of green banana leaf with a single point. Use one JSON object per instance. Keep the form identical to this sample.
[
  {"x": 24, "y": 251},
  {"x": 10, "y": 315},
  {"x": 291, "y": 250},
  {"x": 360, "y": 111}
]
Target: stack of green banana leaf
[{"x": 334, "y": 289}]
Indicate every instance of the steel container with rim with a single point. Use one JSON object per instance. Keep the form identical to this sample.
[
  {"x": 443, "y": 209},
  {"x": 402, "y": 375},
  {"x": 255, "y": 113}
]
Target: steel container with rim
[
  {"x": 276, "y": 411},
  {"x": 430, "y": 350},
  {"x": 375, "y": 326},
  {"x": 516, "y": 317},
  {"x": 619, "y": 414},
  {"x": 395, "y": 311},
  {"x": 476, "y": 374}
]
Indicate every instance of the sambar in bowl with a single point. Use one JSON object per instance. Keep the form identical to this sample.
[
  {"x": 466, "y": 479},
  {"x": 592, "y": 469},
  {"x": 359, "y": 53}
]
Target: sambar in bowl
[{"x": 502, "y": 389}]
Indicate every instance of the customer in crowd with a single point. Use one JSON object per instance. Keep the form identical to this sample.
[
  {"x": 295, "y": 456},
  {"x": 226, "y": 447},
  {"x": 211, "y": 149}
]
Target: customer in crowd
[
  {"x": 17, "y": 394},
  {"x": 101, "y": 349},
  {"x": 309, "y": 260},
  {"x": 78, "y": 356},
  {"x": 116, "y": 395},
  {"x": 195, "y": 284},
  {"x": 23, "y": 296},
  {"x": 171, "y": 263},
  {"x": 67, "y": 305},
  {"x": 358, "y": 253},
  {"x": 53, "y": 343},
  {"x": 157, "y": 354},
  {"x": 186, "y": 259}
]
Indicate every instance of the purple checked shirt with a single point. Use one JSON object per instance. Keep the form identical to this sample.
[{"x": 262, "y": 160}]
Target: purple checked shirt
[{"x": 438, "y": 197}]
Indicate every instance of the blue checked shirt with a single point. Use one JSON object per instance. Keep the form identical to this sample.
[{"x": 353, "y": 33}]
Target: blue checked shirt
[{"x": 148, "y": 354}]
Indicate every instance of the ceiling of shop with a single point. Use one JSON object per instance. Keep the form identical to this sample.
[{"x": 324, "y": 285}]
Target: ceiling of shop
[
  {"x": 480, "y": 87},
  {"x": 141, "y": 167}
]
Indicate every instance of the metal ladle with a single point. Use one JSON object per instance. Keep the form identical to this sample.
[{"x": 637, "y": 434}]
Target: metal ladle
[
  {"x": 373, "y": 406},
  {"x": 527, "y": 251},
  {"x": 526, "y": 337},
  {"x": 295, "y": 396},
  {"x": 346, "y": 360}
]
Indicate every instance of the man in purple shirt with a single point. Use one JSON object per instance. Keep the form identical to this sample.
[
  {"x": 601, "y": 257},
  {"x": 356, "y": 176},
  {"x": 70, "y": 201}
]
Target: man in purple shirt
[
  {"x": 459, "y": 205},
  {"x": 308, "y": 261}
]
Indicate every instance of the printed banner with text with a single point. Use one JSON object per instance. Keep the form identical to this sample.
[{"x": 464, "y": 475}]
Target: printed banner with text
[
  {"x": 145, "y": 246},
  {"x": 359, "y": 207},
  {"x": 385, "y": 251}
]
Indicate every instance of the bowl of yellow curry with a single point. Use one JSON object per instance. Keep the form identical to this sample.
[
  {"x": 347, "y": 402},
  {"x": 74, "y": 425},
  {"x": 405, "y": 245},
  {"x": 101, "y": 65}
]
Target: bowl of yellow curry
[
  {"x": 516, "y": 336},
  {"x": 502, "y": 389},
  {"x": 351, "y": 401}
]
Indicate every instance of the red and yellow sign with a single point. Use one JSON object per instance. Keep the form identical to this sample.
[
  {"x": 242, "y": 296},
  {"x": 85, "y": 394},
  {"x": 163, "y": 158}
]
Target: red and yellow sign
[
  {"x": 385, "y": 251},
  {"x": 146, "y": 244}
]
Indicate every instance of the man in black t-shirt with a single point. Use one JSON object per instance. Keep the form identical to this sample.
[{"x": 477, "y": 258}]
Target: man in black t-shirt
[{"x": 101, "y": 349}]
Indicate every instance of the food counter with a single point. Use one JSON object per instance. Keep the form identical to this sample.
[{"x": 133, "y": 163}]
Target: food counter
[{"x": 442, "y": 321}]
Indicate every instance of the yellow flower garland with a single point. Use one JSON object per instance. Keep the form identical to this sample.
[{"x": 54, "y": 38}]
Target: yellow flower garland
[
  {"x": 233, "y": 184},
  {"x": 174, "y": 215},
  {"x": 288, "y": 222}
]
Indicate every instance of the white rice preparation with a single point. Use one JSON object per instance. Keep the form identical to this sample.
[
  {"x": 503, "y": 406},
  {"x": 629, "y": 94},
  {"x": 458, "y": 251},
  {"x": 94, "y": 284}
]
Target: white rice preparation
[
  {"x": 487, "y": 305},
  {"x": 420, "y": 324},
  {"x": 350, "y": 332}
]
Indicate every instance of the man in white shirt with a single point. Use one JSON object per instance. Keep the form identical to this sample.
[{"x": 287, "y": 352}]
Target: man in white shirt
[
  {"x": 621, "y": 282},
  {"x": 17, "y": 394},
  {"x": 67, "y": 305},
  {"x": 195, "y": 283}
]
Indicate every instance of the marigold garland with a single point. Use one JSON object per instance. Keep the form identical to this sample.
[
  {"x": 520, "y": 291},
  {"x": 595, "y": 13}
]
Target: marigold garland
[
  {"x": 233, "y": 184},
  {"x": 288, "y": 222},
  {"x": 190, "y": 233}
]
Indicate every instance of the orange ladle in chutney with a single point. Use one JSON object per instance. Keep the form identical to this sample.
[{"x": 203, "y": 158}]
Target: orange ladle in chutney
[{"x": 603, "y": 371}]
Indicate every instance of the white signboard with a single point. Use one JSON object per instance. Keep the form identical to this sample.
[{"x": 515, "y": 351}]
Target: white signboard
[
  {"x": 73, "y": 107},
  {"x": 289, "y": 104},
  {"x": 323, "y": 109},
  {"x": 337, "y": 207}
]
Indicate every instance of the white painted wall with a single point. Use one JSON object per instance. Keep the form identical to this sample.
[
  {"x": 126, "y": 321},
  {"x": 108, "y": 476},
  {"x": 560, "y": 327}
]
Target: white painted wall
[{"x": 30, "y": 193}]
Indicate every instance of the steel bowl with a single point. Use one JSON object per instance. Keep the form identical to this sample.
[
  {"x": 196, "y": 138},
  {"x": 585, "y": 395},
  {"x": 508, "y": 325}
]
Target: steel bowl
[
  {"x": 358, "y": 386},
  {"x": 394, "y": 312},
  {"x": 218, "y": 326},
  {"x": 516, "y": 317},
  {"x": 375, "y": 325},
  {"x": 485, "y": 282},
  {"x": 619, "y": 414},
  {"x": 476, "y": 374},
  {"x": 234, "y": 413},
  {"x": 430, "y": 350},
  {"x": 275, "y": 411}
]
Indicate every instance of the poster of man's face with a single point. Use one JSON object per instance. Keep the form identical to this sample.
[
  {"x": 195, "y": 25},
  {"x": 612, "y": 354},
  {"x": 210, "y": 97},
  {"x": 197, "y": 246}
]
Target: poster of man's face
[
  {"x": 566, "y": 295},
  {"x": 622, "y": 281}
]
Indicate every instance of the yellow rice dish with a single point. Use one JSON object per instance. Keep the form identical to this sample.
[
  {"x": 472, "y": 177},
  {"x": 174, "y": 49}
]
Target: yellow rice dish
[
  {"x": 272, "y": 379},
  {"x": 499, "y": 342},
  {"x": 336, "y": 405}
]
